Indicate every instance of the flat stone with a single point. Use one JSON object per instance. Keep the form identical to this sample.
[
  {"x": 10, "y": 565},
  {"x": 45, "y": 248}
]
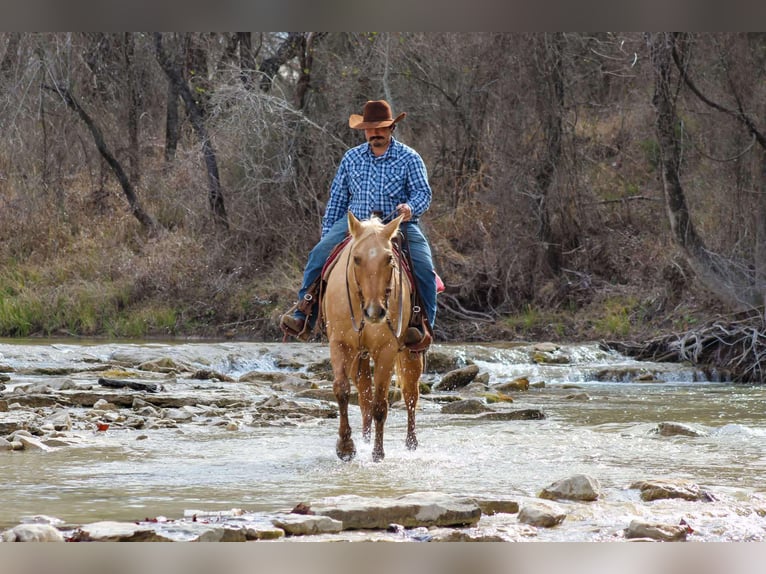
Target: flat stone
[
  {"x": 457, "y": 378},
  {"x": 661, "y": 489},
  {"x": 303, "y": 524},
  {"x": 411, "y": 510},
  {"x": 109, "y": 531},
  {"x": 679, "y": 429}
]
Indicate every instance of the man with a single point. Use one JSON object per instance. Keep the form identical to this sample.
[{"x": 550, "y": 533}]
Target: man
[{"x": 384, "y": 177}]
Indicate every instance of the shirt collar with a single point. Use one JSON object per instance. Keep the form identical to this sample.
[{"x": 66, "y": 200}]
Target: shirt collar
[{"x": 391, "y": 152}]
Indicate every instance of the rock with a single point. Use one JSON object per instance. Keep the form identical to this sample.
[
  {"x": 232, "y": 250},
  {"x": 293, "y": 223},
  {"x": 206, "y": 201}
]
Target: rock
[
  {"x": 5, "y": 444},
  {"x": 3, "y": 406},
  {"x": 302, "y": 524},
  {"x": 178, "y": 415},
  {"x": 578, "y": 397},
  {"x": 517, "y": 415},
  {"x": 541, "y": 515},
  {"x": 108, "y": 531},
  {"x": 656, "y": 531},
  {"x": 550, "y": 357},
  {"x": 207, "y": 374},
  {"x": 465, "y": 407},
  {"x": 59, "y": 420},
  {"x": 104, "y": 405},
  {"x": 661, "y": 489},
  {"x": 546, "y": 347},
  {"x": 494, "y": 506},
  {"x": 33, "y": 533},
  {"x": 678, "y": 429},
  {"x": 440, "y": 362},
  {"x": 163, "y": 365},
  {"x": 457, "y": 378},
  {"x": 31, "y": 443},
  {"x": 411, "y": 510},
  {"x": 520, "y": 384},
  {"x": 577, "y": 487},
  {"x": 497, "y": 398}
]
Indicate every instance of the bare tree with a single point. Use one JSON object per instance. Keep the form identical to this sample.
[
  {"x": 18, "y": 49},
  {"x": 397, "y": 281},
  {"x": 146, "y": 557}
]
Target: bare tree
[
  {"x": 196, "y": 117},
  {"x": 731, "y": 281}
]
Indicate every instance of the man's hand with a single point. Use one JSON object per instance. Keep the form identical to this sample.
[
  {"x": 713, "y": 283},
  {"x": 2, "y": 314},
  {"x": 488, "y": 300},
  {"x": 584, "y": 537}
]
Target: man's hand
[{"x": 404, "y": 209}]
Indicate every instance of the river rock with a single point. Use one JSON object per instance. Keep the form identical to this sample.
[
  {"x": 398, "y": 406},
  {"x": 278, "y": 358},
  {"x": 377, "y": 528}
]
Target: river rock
[
  {"x": 411, "y": 510},
  {"x": 109, "y": 531},
  {"x": 520, "y": 384},
  {"x": 302, "y": 524},
  {"x": 465, "y": 407},
  {"x": 656, "y": 531},
  {"x": 457, "y": 378},
  {"x": 544, "y": 515},
  {"x": 440, "y": 362},
  {"x": 5, "y": 444},
  {"x": 59, "y": 420},
  {"x": 104, "y": 405},
  {"x": 164, "y": 365},
  {"x": 31, "y": 443},
  {"x": 497, "y": 506},
  {"x": 577, "y": 487},
  {"x": 33, "y": 533},
  {"x": 660, "y": 489},
  {"x": 515, "y": 415},
  {"x": 679, "y": 429}
]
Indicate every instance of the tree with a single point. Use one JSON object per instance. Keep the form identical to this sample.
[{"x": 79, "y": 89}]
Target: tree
[
  {"x": 740, "y": 286},
  {"x": 196, "y": 117}
]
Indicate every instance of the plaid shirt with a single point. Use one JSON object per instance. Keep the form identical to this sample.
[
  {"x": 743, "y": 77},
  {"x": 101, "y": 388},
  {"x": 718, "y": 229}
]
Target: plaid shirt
[{"x": 365, "y": 183}]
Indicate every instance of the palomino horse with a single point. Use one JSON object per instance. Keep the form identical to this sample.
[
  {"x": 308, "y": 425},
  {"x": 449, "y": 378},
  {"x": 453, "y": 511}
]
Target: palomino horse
[{"x": 366, "y": 308}]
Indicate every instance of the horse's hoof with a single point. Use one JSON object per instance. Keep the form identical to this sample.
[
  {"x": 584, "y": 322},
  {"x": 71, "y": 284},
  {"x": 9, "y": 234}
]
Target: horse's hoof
[
  {"x": 378, "y": 455},
  {"x": 346, "y": 451},
  {"x": 411, "y": 443},
  {"x": 366, "y": 436}
]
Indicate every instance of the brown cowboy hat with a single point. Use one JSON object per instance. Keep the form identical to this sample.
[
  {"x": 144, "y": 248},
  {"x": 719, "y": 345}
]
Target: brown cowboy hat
[{"x": 376, "y": 114}]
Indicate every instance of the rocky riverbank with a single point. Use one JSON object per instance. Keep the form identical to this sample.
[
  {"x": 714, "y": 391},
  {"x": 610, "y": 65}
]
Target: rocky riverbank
[{"x": 46, "y": 409}]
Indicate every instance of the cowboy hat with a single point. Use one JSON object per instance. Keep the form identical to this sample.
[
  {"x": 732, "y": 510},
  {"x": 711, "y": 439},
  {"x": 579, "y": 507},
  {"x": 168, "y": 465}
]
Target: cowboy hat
[{"x": 376, "y": 114}]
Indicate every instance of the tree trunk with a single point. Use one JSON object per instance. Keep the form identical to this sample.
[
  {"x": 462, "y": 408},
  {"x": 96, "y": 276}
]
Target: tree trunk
[
  {"x": 733, "y": 287},
  {"x": 215, "y": 195},
  {"x": 551, "y": 112},
  {"x": 135, "y": 205},
  {"x": 134, "y": 109},
  {"x": 172, "y": 124},
  {"x": 288, "y": 50}
]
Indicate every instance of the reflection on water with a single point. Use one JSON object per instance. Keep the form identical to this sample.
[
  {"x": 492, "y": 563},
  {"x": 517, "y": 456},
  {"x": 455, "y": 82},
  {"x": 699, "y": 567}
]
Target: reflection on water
[{"x": 608, "y": 434}]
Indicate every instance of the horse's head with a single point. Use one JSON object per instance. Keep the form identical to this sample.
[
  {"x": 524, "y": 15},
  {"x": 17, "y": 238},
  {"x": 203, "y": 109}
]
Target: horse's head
[{"x": 372, "y": 263}]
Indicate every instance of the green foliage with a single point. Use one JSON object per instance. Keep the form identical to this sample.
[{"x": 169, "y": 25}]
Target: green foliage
[{"x": 614, "y": 319}]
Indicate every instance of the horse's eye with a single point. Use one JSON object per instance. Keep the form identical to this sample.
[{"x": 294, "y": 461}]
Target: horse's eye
[{"x": 357, "y": 260}]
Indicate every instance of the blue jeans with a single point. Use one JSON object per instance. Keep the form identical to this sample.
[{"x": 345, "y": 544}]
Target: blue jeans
[{"x": 420, "y": 253}]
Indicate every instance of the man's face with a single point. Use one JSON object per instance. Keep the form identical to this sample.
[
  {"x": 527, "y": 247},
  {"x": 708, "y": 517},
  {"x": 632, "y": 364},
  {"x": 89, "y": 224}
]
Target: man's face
[{"x": 379, "y": 138}]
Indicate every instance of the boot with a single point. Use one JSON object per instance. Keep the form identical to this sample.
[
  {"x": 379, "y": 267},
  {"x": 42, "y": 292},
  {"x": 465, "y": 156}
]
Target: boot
[
  {"x": 295, "y": 326},
  {"x": 416, "y": 340}
]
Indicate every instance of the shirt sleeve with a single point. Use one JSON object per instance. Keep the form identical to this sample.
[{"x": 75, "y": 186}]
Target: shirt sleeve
[
  {"x": 340, "y": 197},
  {"x": 419, "y": 192}
]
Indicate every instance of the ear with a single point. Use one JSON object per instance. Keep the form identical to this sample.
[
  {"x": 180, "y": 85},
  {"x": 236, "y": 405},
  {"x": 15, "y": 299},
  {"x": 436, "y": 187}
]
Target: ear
[
  {"x": 354, "y": 225},
  {"x": 392, "y": 227}
]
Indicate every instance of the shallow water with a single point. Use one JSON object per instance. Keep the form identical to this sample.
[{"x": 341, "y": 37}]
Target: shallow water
[{"x": 608, "y": 435}]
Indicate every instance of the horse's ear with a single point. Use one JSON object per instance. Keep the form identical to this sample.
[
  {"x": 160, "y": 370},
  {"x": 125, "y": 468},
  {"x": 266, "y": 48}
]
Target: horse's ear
[
  {"x": 392, "y": 227},
  {"x": 354, "y": 225}
]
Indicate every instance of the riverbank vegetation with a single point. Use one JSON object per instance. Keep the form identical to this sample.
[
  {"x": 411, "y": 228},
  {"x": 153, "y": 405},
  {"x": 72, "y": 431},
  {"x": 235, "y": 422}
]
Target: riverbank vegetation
[{"x": 586, "y": 186}]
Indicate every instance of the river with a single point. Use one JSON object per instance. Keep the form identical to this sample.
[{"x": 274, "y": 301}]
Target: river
[{"x": 606, "y": 429}]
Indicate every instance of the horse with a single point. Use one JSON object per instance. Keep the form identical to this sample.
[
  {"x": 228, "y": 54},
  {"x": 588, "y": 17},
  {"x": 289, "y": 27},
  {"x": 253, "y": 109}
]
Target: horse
[{"x": 366, "y": 308}]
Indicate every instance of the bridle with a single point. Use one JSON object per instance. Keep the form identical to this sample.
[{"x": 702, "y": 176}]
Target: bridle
[{"x": 358, "y": 328}]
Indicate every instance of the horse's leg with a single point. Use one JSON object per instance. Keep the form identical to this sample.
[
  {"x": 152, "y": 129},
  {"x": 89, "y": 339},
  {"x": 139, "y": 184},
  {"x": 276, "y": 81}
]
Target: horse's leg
[
  {"x": 364, "y": 386},
  {"x": 410, "y": 367},
  {"x": 384, "y": 368},
  {"x": 341, "y": 361}
]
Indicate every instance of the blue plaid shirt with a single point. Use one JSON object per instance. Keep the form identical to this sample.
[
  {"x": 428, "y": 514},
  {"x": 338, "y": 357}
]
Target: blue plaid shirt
[{"x": 365, "y": 183}]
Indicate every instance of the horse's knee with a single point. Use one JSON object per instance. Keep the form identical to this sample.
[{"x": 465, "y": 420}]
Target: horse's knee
[{"x": 380, "y": 411}]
